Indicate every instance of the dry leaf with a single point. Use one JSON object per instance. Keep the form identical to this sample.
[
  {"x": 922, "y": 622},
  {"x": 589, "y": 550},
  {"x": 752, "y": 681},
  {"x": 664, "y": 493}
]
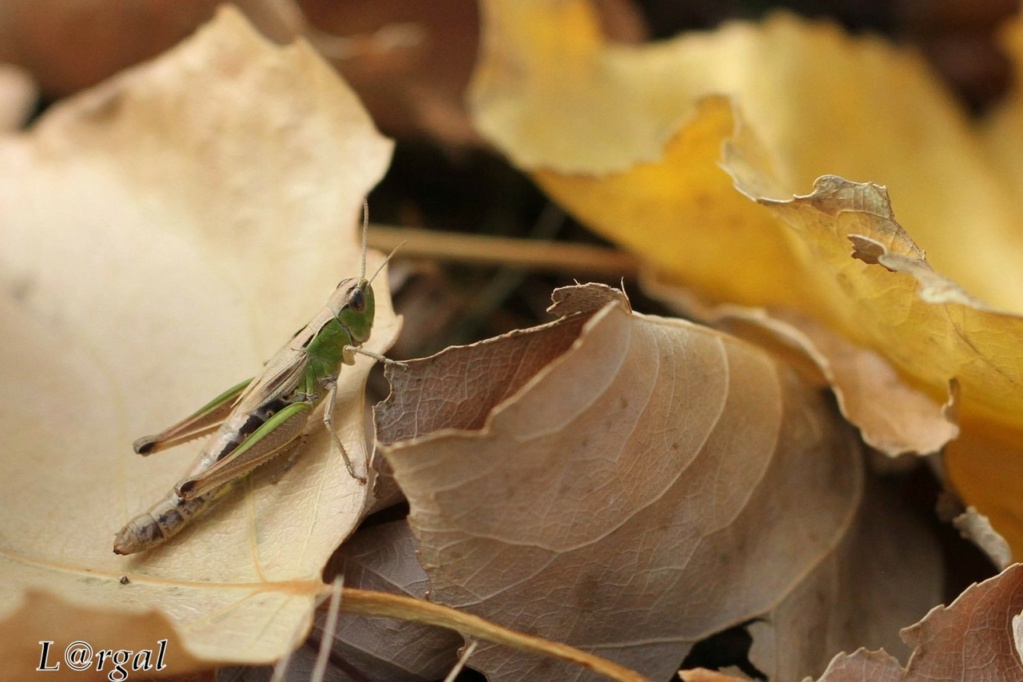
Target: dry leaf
[
  {"x": 69, "y": 44},
  {"x": 702, "y": 675},
  {"x": 768, "y": 109},
  {"x": 893, "y": 417},
  {"x": 160, "y": 237},
  {"x": 977, "y": 528},
  {"x": 863, "y": 666},
  {"x": 383, "y": 558},
  {"x": 410, "y": 62},
  {"x": 17, "y": 97},
  {"x": 632, "y": 484},
  {"x": 975, "y": 633},
  {"x": 977, "y": 637},
  {"x": 379, "y": 557}
]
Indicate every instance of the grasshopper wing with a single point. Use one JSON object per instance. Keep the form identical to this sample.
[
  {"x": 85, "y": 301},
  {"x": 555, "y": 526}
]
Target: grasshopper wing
[{"x": 281, "y": 377}]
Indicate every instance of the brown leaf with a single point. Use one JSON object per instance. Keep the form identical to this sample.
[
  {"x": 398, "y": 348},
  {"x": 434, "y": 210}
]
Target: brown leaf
[
  {"x": 69, "y": 45},
  {"x": 442, "y": 394},
  {"x": 383, "y": 558},
  {"x": 645, "y": 485},
  {"x": 977, "y": 637},
  {"x": 410, "y": 62},
  {"x": 160, "y": 237},
  {"x": 380, "y": 557},
  {"x": 37, "y": 618},
  {"x": 974, "y": 634},
  {"x": 863, "y": 666}
]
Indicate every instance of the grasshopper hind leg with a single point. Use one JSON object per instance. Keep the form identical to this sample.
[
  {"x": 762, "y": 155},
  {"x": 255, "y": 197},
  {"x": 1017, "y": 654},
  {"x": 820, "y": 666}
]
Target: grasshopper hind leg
[{"x": 290, "y": 456}]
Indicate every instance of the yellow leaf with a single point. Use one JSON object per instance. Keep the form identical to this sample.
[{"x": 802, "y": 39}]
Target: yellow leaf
[
  {"x": 160, "y": 236},
  {"x": 649, "y": 144}
]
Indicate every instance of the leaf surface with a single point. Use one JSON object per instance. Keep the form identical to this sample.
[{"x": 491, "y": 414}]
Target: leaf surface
[
  {"x": 630, "y": 484},
  {"x": 160, "y": 237}
]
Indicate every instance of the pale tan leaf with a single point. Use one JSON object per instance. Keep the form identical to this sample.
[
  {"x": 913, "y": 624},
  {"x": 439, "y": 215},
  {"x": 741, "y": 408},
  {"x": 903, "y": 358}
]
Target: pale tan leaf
[
  {"x": 893, "y": 416},
  {"x": 160, "y": 237},
  {"x": 976, "y": 527},
  {"x": 17, "y": 96},
  {"x": 648, "y": 484},
  {"x": 703, "y": 675}
]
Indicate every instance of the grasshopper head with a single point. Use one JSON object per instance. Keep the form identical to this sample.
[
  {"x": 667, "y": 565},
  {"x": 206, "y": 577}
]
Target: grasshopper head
[{"x": 353, "y": 305}]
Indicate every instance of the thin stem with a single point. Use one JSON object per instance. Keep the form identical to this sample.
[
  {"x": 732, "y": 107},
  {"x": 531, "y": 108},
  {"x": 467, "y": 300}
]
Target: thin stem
[
  {"x": 370, "y": 603},
  {"x": 523, "y": 253}
]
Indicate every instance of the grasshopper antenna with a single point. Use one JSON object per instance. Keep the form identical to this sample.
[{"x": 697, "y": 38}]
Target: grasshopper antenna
[
  {"x": 386, "y": 261},
  {"x": 365, "y": 241},
  {"x": 365, "y": 236}
]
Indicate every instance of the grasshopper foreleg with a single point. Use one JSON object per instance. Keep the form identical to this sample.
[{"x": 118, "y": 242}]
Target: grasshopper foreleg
[
  {"x": 328, "y": 422},
  {"x": 350, "y": 351}
]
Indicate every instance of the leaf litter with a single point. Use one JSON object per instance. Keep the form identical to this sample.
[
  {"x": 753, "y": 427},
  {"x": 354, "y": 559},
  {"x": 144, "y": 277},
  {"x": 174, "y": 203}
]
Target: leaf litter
[
  {"x": 575, "y": 518},
  {"x": 734, "y": 164}
]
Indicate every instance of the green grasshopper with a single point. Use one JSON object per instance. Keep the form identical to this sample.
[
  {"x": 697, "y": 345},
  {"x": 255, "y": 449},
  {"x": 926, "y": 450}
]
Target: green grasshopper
[{"x": 264, "y": 417}]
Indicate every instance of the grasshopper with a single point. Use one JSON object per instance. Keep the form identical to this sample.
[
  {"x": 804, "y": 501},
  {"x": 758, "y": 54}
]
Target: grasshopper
[{"x": 264, "y": 417}]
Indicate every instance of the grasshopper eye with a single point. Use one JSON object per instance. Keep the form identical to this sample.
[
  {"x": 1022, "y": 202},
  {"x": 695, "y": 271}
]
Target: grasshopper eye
[{"x": 357, "y": 299}]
